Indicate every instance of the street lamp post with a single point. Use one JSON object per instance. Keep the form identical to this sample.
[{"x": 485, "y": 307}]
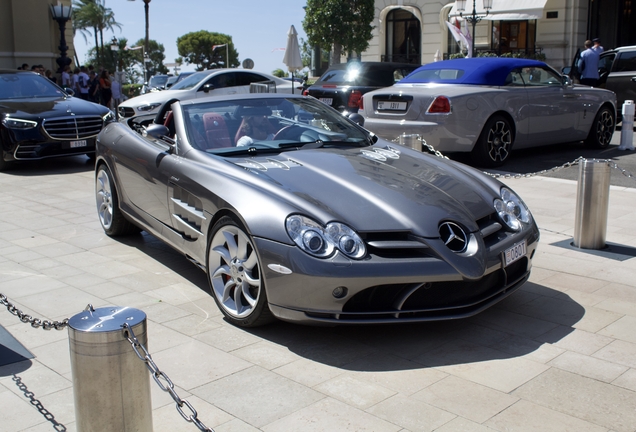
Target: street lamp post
[
  {"x": 62, "y": 14},
  {"x": 146, "y": 8},
  {"x": 114, "y": 47},
  {"x": 473, "y": 18}
]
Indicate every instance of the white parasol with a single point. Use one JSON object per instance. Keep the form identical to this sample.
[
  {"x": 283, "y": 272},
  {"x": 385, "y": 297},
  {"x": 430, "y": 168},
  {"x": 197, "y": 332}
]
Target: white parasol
[{"x": 292, "y": 54}]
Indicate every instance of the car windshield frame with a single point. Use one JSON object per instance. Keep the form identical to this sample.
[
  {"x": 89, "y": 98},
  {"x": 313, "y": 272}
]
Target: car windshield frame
[
  {"x": 27, "y": 85},
  {"x": 294, "y": 122}
]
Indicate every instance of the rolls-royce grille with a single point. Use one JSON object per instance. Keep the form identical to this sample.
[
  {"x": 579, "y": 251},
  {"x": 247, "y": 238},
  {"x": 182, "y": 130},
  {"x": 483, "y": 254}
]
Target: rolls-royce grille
[{"x": 72, "y": 128}]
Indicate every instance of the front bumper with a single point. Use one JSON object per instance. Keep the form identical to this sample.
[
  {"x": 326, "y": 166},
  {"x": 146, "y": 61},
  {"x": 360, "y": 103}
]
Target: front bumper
[
  {"x": 32, "y": 145},
  {"x": 382, "y": 290}
]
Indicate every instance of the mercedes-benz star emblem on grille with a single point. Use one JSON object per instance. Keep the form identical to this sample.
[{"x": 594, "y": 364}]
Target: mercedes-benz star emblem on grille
[{"x": 453, "y": 236}]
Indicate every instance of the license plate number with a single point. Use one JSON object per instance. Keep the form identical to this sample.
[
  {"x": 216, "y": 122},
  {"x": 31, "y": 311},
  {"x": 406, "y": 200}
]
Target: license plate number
[
  {"x": 327, "y": 101},
  {"x": 514, "y": 253},
  {"x": 391, "y": 106},
  {"x": 81, "y": 143}
]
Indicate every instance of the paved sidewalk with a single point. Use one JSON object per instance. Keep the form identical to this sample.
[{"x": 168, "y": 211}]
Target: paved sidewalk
[{"x": 558, "y": 355}]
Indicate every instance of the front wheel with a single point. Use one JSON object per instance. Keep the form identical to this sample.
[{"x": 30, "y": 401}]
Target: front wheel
[
  {"x": 110, "y": 217},
  {"x": 494, "y": 145},
  {"x": 602, "y": 129},
  {"x": 235, "y": 276}
]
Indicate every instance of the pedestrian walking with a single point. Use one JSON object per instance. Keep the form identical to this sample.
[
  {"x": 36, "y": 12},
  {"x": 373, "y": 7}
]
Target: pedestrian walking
[
  {"x": 105, "y": 91},
  {"x": 588, "y": 65}
]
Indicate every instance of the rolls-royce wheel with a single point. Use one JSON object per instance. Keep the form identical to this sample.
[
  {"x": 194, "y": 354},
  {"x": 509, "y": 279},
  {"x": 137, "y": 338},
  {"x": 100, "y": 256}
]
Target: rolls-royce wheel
[
  {"x": 602, "y": 129},
  {"x": 234, "y": 273},
  {"x": 113, "y": 222},
  {"x": 495, "y": 143}
]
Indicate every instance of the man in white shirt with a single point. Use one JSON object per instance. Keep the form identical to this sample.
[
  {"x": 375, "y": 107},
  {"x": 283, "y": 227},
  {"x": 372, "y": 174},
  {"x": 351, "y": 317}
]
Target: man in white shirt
[
  {"x": 115, "y": 88},
  {"x": 66, "y": 77},
  {"x": 82, "y": 82}
]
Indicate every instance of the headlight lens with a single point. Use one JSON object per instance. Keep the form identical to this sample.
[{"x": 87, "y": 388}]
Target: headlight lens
[
  {"x": 321, "y": 241},
  {"x": 512, "y": 210},
  {"x": 148, "y": 107},
  {"x": 109, "y": 117},
  {"x": 15, "y": 123}
]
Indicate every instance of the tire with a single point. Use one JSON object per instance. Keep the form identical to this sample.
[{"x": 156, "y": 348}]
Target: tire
[
  {"x": 110, "y": 216},
  {"x": 235, "y": 276},
  {"x": 495, "y": 142},
  {"x": 4, "y": 165},
  {"x": 602, "y": 129}
]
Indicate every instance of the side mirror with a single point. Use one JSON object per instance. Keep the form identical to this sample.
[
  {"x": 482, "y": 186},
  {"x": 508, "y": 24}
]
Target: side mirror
[
  {"x": 207, "y": 88},
  {"x": 357, "y": 118},
  {"x": 69, "y": 91},
  {"x": 567, "y": 81},
  {"x": 162, "y": 133},
  {"x": 566, "y": 70}
]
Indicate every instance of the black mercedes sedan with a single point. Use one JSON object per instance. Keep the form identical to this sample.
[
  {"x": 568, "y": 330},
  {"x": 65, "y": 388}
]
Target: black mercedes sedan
[{"x": 39, "y": 120}]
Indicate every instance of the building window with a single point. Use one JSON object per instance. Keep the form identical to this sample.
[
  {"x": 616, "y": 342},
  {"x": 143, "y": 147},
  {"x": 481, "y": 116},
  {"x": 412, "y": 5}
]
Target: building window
[
  {"x": 514, "y": 37},
  {"x": 403, "y": 37}
]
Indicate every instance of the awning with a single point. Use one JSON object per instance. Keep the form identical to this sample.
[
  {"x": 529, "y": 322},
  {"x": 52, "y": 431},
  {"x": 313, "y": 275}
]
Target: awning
[{"x": 508, "y": 10}]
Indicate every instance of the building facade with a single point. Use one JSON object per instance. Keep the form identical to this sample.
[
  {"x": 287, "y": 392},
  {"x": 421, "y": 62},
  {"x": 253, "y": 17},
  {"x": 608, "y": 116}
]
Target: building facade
[
  {"x": 416, "y": 31},
  {"x": 28, "y": 34}
]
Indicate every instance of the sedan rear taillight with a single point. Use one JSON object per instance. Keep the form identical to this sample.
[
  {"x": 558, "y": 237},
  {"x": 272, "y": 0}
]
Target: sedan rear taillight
[
  {"x": 441, "y": 105},
  {"x": 306, "y": 93},
  {"x": 355, "y": 99}
]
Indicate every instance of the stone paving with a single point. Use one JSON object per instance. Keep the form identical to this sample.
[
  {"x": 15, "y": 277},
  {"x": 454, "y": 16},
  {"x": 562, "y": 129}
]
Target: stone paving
[{"x": 558, "y": 355}]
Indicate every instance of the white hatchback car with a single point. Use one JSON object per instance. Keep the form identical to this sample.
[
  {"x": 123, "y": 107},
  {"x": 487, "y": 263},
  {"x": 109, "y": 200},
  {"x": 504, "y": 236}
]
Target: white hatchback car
[{"x": 214, "y": 82}]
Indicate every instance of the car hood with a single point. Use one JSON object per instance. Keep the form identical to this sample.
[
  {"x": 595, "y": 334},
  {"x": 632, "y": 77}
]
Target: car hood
[
  {"x": 156, "y": 96},
  {"x": 46, "y": 107},
  {"x": 378, "y": 186}
]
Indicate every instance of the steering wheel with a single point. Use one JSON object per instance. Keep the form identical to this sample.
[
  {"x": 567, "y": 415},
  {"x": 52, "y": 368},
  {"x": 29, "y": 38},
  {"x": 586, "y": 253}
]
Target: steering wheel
[
  {"x": 286, "y": 132},
  {"x": 159, "y": 118}
]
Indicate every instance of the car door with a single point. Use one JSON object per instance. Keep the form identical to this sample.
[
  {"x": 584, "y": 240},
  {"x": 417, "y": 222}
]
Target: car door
[
  {"x": 553, "y": 108},
  {"x": 145, "y": 168},
  {"x": 622, "y": 77},
  {"x": 223, "y": 83}
]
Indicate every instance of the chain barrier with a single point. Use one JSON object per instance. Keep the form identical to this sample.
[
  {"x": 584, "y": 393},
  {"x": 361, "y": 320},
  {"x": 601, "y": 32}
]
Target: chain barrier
[
  {"x": 158, "y": 376},
  {"x": 28, "y": 319},
  {"x": 575, "y": 162},
  {"x": 38, "y": 405}
]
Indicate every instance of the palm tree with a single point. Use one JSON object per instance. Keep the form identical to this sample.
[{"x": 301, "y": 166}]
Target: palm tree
[{"x": 93, "y": 15}]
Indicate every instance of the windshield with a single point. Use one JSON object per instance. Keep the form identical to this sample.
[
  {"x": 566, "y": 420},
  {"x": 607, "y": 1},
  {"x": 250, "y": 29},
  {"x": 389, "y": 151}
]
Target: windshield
[
  {"x": 268, "y": 124},
  {"x": 190, "y": 82},
  {"x": 27, "y": 85},
  {"x": 158, "y": 81}
]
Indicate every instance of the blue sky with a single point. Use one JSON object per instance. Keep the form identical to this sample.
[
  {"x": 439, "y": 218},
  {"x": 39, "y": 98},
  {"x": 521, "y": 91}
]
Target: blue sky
[{"x": 257, "y": 27}]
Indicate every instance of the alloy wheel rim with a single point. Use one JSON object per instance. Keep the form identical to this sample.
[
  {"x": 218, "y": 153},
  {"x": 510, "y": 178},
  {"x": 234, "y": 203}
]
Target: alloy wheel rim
[
  {"x": 499, "y": 141},
  {"x": 234, "y": 271},
  {"x": 604, "y": 128},
  {"x": 104, "y": 199}
]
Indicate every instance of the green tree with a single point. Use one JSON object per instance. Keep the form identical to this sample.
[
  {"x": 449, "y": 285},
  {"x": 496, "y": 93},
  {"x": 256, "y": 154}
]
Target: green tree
[
  {"x": 93, "y": 16},
  {"x": 279, "y": 73},
  {"x": 196, "y": 49},
  {"x": 339, "y": 25},
  {"x": 156, "y": 55}
]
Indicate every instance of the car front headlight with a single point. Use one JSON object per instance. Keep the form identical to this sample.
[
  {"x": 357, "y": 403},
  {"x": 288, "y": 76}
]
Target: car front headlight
[
  {"x": 148, "y": 107},
  {"x": 15, "y": 123},
  {"x": 321, "y": 241},
  {"x": 512, "y": 210},
  {"x": 109, "y": 117}
]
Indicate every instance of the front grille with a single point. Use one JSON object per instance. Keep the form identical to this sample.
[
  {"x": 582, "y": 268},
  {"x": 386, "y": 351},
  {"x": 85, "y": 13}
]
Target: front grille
[
  {"x": 72, "y": 128},
  {"x": 126, "y": 112},
  {"x": 400, "y": 245}
]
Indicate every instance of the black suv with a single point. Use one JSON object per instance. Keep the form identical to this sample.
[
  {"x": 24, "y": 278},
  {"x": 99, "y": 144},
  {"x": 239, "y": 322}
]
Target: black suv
[
  {"x": 617, "y": 72},
  {"x": 343, "y": 85}
]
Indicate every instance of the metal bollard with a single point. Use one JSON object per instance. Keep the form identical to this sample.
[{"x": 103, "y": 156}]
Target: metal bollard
[
  {"x": 412, "y": 140},
  {"x": 627, "y": 126},
  {"x": 111, "y": 384},
  {"x": 592, "y": 201}
]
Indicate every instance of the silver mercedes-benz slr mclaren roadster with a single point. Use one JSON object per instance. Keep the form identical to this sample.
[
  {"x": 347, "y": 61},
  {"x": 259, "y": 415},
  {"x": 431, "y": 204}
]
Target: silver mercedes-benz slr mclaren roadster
[{"x": 296, "y": 212}]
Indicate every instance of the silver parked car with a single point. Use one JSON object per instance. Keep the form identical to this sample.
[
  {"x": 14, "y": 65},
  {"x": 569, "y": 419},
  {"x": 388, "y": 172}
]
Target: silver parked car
[
  {"x": 490, "y": 106},
  {"x": 298, "y": 213}
]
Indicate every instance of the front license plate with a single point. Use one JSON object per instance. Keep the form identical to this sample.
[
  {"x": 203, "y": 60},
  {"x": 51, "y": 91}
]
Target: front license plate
[
  {"x": 514, "y": 253},
  {"x": 327, "y": 101},
  {"x": 81, "y": 143},
  {"x": 391, "y": 106}
]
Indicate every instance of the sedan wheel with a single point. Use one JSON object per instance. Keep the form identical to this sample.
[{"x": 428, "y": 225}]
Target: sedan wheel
[
  {"x": 602, "y": 129},
  {"x": 113, "y": 222},
  {"x": 495, "y": 143},
  {"x": 234, "y": 272}
]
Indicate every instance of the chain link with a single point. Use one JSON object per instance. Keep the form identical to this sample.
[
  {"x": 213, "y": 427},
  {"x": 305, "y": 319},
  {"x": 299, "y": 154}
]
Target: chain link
[
  {"x": 160, "y": 377},
  {"x": 28, "y": 319},
  {"x": 575, "y": 162}
]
